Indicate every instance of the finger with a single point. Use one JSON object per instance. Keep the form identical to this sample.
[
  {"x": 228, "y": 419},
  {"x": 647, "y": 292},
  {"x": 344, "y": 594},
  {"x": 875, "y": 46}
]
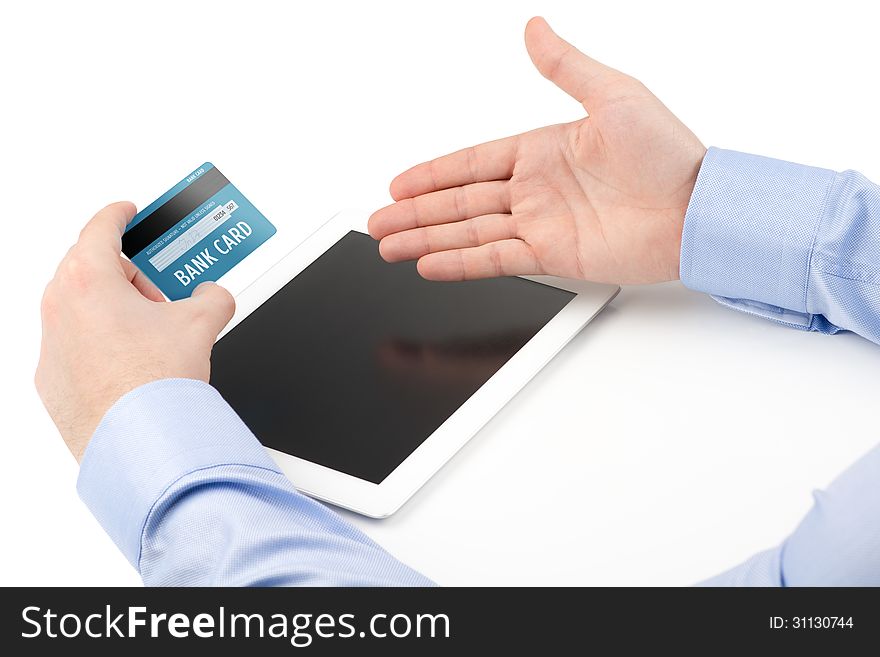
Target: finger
[
  {"x": 104, "y": 231},
  {"x": 506, "y": 258},
  {"x": 561, "y": 63},
  {"x": 490, "y": 161},
  {"x": 212, "y": 305},
  {"x": 143, "y": 284},
  {"x": 456, "y": 204},
  {"x": 411, "y": 244}
]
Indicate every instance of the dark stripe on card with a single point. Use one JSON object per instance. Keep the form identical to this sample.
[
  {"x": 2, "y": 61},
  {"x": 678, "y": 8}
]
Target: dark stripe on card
[{"x": 166, "y": 216}]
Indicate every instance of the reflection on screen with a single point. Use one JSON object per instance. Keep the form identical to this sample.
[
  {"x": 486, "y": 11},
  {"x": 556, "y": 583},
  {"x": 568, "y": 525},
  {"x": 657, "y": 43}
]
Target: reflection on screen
[{"x": 355, "y": 362}]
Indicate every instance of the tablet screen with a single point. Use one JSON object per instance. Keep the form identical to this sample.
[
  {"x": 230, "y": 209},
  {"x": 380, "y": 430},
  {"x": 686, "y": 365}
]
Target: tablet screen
[{"x": 355, "y": 362}]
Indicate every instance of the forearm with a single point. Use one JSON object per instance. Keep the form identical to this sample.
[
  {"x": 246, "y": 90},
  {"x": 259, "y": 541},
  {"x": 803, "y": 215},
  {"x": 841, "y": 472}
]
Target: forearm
[{"x": 191, "y": 497}]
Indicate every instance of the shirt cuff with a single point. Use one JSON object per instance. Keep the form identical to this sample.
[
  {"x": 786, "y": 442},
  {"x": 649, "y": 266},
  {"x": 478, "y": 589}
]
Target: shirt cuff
[
  {"x": 750, "y": 227},
  {"x": 150, "y": 438}
]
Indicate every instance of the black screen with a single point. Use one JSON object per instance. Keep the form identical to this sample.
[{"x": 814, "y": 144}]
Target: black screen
[{"x": 355, "y": 362}]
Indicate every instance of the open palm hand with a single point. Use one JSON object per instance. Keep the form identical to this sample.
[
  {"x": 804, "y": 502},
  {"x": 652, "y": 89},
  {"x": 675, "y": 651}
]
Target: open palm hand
[{"x": 602, "y": 198}]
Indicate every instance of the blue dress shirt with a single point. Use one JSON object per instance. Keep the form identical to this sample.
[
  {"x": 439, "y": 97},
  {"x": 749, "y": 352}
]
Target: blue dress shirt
[{"x": 191, "y": 497}]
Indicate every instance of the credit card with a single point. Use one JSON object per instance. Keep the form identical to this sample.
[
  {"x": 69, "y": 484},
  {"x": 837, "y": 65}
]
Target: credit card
[{"x": 195, "y": 232}]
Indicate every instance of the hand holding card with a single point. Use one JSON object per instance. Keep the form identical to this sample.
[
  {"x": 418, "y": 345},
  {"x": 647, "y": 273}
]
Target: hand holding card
[
  {"x": 195, "y": 232},
  {"x": 100, "y": 337}
]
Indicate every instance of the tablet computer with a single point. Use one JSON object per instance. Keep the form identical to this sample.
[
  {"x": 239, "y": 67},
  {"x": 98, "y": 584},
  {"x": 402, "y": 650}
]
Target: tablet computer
[{"x": 362, "y": 379}]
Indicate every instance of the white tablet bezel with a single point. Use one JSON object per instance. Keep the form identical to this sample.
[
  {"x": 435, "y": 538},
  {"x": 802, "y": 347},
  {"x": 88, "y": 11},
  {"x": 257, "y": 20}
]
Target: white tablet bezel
[{"x": 381, "y": 500}]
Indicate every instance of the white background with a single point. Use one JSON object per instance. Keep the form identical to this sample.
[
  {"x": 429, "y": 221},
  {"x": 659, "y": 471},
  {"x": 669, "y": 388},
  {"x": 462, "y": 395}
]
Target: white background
[{"x": 672, "y": 439}]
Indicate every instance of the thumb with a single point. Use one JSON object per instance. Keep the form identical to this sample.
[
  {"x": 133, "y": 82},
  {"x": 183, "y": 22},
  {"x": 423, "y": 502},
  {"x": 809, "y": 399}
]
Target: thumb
[
  {"x": 213, "y": 306},
  {"x": 563, "y": 64}
]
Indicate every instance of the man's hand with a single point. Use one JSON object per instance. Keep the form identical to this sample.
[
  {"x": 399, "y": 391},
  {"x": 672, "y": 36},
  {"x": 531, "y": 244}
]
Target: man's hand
[
  {"x": 107, "y": 329},
  {"x": 602, "y": 198}
]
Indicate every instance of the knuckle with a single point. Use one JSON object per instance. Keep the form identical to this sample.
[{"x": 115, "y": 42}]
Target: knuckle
[
  {"x": 40, "y": 377},
  {"x": 462, "y": 266},
  {"x": 496, "y": 261},
  {"x": 432, "y": 173},
  {"x": 461, "y": 203},
  {"x": 77, "y": 271},
  {"x": 628, "y": 83},
  {"x": 639, "y": 87},
  {"x": 49, "y": 302},
  {"x": 472, "y": 162},
  {"x": 414, "y": 210},
  {"x": 38, "y": 381},
  {"x": 473, "y": 233}
]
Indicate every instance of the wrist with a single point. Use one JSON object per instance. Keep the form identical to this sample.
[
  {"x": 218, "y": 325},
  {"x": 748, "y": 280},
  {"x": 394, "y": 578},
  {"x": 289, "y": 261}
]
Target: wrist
[
  {"x": 681, "y": 215},
  {"x": 85, "y": 413}
]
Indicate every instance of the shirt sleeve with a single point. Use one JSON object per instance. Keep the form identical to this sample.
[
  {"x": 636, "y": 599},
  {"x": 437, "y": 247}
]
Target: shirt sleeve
[
  {"x": 801, "y": 246},
  {"x": 791, "y": 243},
  {"x": 192, "y": 498},
  {"x": 836, "y": 544}
]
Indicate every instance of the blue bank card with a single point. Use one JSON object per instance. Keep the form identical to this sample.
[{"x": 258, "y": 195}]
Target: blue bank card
[{"x": 195, "y": 232}]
